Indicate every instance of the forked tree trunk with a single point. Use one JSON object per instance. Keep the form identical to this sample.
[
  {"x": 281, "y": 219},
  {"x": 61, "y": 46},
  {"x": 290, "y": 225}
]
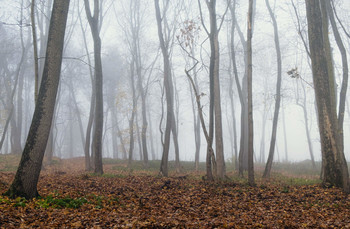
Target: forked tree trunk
[
  {"x": 335, "y": 171},
  {"x": 98, "y": 127},
  {"x": 344, "y": 85},
  {"x": 168, "y": 91}
]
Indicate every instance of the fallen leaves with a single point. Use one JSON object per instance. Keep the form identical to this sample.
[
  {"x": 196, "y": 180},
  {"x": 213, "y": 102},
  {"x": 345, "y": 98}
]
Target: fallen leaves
[{"x": 79, "y": 200}]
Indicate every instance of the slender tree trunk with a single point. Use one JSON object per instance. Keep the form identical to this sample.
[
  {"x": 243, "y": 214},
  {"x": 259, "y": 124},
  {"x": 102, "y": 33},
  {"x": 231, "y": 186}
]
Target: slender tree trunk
[
  {"x": 133, "y": 112},
  {"x": 176, "y": 145},
  {"x": 234, "y": 129},
  {"x": 242, "y": 93},
  {"x": 196, "y": 119},
  {"x": 151, "y": 139},
  {"x": 138, "y": 133},
  {"x": 12, "y": 95},
  {"x": 115, "y": 132},
  {"x": 98, "y": 127},
  {"x": 35, "y": 51},
  {"x": 210, "y": 151},
  {"x": 250, "y": 97},
  {"x": 215, "y": 118},
  {"x": 27, "y": 176},
  {"x": 168, "y": 91},
  {"x": 303, "y": 106},
  {"x": 88, "y": 165},
  {"x": 285, "y": 134},
  {"x": 278, "y": 94},
  {"x": 344, "y": 85}
]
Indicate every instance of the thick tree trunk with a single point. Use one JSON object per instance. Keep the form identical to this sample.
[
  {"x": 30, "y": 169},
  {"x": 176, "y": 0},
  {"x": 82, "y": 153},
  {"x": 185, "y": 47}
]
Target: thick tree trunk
[
  {"x": 27, "y": 176},
  {"x": 335, "y": 171}
]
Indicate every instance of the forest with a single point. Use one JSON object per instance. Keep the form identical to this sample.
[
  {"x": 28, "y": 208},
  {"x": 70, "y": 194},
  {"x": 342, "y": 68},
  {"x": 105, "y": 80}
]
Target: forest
[{"x": 173, "y": 114}]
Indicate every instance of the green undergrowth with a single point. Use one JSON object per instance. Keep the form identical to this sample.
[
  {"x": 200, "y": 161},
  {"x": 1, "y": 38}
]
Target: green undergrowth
[
  {"x": 52, "y": 201},
  {"x": 57, "y": 201}
]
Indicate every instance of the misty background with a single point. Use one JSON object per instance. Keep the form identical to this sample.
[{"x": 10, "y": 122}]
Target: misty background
[{"x": 73, "y": 102}]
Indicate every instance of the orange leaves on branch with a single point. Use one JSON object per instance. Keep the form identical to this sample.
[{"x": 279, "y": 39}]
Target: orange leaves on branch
[{"x": 188, "y": 33}]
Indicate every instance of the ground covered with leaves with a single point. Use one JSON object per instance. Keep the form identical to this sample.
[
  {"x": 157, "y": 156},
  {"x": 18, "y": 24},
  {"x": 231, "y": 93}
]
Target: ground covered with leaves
[{"x": 138, "y": 198}]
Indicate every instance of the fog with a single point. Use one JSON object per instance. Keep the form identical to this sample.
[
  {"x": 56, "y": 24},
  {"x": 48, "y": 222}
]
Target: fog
[{"x": 74, "y": 97}]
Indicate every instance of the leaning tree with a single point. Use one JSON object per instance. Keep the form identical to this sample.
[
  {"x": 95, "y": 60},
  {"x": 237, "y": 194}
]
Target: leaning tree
[{"x": 27, "y": 176}]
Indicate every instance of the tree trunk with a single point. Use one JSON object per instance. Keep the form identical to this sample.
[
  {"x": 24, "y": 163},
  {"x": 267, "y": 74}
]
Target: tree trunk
[
  {"x": 133, "y": 112},
  {"x": 285, "y": 134},
  {"x": 335, "y": 171},
  {"x": 11, "y": 93},
  {"x": 168, "y": 91},
  {"x": 27, "y": 176},
  {"x": 250, "y": 97},
  {"x": 215, "y": 100},
  {"x": 278, "y": 94},
  {"x": 88, "y": 165},
  {"x": 153, "y": 153},
  {"x": 115, "y": 132},
  {"x": 303, "y": 106},
  {"x": 98, "y": 128},
  {"x": 196, "y": 119},
  {"x": 35, "y": 51},
  {"x": 242, "y": 93},
  {"x": 344, "y": 85}
]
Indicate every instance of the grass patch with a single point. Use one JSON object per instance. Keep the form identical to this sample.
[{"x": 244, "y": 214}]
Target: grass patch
[{"x": 51, "y": 201}]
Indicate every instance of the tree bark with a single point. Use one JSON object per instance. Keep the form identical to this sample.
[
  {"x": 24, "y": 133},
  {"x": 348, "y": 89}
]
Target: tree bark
[
  {"x": 344, "y": 85},
  {"x": 278, "y": 93},
  {"x": 133, "y": 113},
  {"x": 98, "y": 128},
  {"x": 335, "y": 171},
  {"x": 168, "y": 91},
  {"x": 27, "y": 176},
  {"x": 250, "y": 96}
]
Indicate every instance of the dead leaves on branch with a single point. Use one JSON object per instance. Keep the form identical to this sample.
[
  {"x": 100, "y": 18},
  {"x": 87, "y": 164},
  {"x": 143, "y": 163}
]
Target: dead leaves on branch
[{"x": 78, "y": 200}]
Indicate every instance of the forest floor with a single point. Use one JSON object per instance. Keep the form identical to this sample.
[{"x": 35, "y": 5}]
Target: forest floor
[{"x": 139, "y": 198}]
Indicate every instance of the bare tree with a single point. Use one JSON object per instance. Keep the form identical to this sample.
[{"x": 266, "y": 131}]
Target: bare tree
[
  {"x": 27, "y": 176},
  {"x": 133, "y": 111},
  {"x": 87, "y": 144},
  {"x": 335, "y": 171},
  {"x": 95, "y": 26},
  {"x": 168, "y": 86},
  {"x": 278, "y": 92},
  {"x": 215, "y": 116},
  {"x": 250, "y": 96},
  {"x": 344, "y": 58},
  {"x": 11, "y": 118}
]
